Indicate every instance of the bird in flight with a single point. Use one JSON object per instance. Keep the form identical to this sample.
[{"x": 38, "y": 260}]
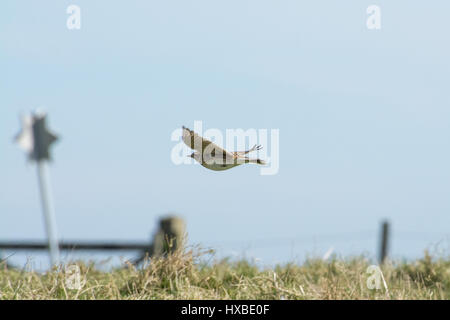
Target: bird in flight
[{"x": 213, "y": 157}]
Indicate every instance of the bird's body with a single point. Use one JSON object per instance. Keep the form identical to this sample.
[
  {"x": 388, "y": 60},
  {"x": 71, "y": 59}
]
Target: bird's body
[
  {"x": 213, "y": 157},
  {"x": 218, "y": 163}
]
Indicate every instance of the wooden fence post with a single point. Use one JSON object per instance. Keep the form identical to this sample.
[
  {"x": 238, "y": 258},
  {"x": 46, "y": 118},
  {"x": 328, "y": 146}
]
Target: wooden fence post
[
  {"x": 384, "y": 243},
  {"x": 169, "y": 237}
]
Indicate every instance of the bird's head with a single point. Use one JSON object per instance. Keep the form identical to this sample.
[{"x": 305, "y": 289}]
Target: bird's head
[{"x": 194, "y": 155}]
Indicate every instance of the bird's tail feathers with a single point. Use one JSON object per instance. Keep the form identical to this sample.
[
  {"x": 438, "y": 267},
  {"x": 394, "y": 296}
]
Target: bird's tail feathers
[{"x": 257, "y": 161}]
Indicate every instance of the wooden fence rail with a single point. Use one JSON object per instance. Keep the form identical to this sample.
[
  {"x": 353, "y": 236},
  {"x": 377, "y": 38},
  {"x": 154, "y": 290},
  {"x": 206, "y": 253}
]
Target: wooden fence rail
[{"x": 99, "y": 246}]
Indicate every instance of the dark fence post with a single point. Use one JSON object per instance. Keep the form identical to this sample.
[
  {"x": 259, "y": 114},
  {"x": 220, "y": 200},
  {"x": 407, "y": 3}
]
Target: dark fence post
[
  {"x": 169, "y": 237},
  {"x": 384, "y": 243}
]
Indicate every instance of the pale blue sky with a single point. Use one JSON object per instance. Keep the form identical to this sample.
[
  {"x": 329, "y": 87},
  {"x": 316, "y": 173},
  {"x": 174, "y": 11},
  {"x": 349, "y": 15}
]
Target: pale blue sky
[{"x": 363, "y": 117}]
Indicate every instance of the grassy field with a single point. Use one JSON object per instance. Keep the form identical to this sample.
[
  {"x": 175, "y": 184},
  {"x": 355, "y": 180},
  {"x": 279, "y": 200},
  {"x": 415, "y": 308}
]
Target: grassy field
[{"x": 185, "y": 275}]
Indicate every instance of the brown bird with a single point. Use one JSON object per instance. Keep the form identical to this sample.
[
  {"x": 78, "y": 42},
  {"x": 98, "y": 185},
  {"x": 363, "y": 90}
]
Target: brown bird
[{"x": 213, "y": 157}]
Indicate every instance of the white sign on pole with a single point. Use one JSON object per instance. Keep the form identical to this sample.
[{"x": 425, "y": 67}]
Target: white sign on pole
[{"x": 35, "y": 139}]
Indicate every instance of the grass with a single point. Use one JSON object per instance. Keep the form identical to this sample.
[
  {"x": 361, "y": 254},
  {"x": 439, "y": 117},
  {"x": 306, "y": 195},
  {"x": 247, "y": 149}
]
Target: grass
[{"x": 184, "y": 275}]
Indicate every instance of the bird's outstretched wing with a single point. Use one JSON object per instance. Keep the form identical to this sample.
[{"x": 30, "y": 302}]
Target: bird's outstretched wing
[
  {"x": 202, "y": 145},
  {"x": 256, "y": 147}
]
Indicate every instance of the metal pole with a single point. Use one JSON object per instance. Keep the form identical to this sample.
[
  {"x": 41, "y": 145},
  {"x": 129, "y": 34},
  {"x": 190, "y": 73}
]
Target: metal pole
[{"x": 49, "y": 214}]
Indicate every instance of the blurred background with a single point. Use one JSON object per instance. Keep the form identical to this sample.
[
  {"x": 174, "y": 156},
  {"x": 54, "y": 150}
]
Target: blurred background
[{"x": 363, "y": 117}]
